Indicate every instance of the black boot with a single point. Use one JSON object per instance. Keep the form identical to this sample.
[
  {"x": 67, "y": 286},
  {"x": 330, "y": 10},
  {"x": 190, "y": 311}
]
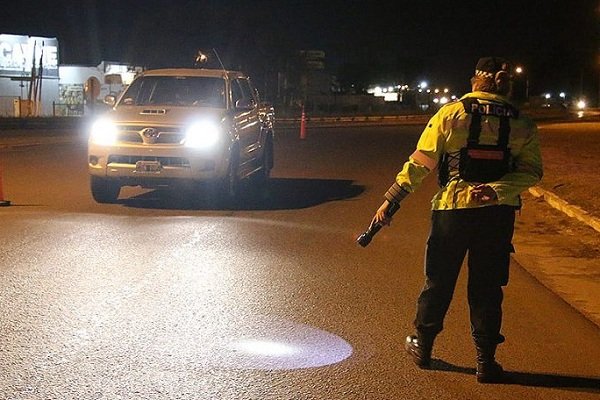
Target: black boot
[
  {"x": 419, "y": 348},
  {"x": 488, "y": 370}
]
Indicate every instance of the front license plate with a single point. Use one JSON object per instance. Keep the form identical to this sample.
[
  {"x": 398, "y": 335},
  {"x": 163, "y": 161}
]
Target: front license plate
[{"x": 148, "y": 167}]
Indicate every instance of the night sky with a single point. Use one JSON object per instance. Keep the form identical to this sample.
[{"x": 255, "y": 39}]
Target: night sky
[{"x": 557, "y": 41}]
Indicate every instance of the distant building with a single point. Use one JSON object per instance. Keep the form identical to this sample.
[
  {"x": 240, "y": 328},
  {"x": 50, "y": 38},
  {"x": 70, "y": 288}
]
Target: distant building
[
  {"x": 33, "y": 83},
  {"x": 81, "y": 88},
  {"x": 28, "y": 71}
]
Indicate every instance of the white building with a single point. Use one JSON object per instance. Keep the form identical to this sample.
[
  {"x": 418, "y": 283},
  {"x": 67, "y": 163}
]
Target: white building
[
  {"x": 33, "y": 83},
  {"x": 81, "y": 88},
  {"x": 22, "y": 57}
]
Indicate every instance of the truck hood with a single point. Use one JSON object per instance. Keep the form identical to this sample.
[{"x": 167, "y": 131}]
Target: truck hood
[{"x": 163, "y": 116}]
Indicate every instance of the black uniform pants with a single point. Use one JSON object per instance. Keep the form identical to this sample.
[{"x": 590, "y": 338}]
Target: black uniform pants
[{"x": 486, "y": 234}]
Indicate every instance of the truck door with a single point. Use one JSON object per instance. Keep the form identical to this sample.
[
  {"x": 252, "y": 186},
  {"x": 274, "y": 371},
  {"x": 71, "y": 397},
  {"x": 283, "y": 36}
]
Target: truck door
[{"x": 246, "y": 118}]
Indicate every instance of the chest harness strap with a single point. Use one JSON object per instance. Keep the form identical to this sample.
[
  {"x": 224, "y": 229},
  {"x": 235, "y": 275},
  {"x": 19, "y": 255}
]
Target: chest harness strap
[
  {"x": 475, "y": 162},
  {"x": 503, "y": 111}
]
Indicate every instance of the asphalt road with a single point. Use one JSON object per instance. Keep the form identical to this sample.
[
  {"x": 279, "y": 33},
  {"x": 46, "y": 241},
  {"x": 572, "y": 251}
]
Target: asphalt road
[{"x": 152, "y": 298}]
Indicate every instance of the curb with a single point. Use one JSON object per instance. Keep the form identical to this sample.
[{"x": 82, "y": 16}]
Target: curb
[
  {"x": 410, "y": 119},
  {"x": 569, "y": 276},
  {"x": 569, "y": 209}
]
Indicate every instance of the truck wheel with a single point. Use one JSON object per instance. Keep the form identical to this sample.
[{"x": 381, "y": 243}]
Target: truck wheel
[
  {"x": 226, "y": 190},
  {"x": 103, "y": 190},
  {"x": 231, "y": 183},
  {"x": 261, "y": 177}
]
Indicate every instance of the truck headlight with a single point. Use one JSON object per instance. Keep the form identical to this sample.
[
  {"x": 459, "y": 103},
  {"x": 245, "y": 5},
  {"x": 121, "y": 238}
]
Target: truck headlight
[
  {"x": 104, "y": 132},
  {"x": 202, "y": 135}
]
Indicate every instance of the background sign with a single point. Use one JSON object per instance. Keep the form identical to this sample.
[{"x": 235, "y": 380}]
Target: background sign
[{"x": 18, "y": 54}]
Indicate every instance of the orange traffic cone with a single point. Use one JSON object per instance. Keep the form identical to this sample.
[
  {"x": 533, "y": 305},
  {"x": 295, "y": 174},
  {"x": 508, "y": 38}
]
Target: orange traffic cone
[
  {"x": 303, "y": 125},
  {"x": 3, "y": 203}
]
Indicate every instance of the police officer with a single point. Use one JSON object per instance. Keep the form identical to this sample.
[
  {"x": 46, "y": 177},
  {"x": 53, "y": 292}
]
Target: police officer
[{"x": 486, "y": 154}]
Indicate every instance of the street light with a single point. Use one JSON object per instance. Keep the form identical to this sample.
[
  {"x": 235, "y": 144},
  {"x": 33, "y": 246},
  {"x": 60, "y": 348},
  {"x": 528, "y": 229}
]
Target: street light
[{"x": 521, "y": 71}]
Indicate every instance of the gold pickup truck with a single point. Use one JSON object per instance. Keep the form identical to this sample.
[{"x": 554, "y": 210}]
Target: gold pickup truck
[{"x": 204, "y": 128}]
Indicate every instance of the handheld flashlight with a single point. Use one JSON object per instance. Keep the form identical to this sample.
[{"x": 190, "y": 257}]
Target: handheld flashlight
[{"x": 367, "y": 236}]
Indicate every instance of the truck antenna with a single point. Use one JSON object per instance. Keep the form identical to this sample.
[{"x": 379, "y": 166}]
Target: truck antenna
[{"x": 219, "y": 58}]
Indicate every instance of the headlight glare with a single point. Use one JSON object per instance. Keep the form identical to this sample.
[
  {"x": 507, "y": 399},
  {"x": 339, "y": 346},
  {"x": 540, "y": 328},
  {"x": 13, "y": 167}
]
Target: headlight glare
[
  {"x": 104, "y": 132},
  {"x": 202, "y": 135}
]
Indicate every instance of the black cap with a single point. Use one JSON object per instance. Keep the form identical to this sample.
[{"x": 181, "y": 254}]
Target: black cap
[{"x": 488, "y": 67}]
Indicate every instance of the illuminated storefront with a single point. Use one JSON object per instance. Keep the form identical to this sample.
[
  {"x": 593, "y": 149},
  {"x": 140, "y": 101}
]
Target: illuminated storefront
[
  {"x": 28, "y": 72},
  {"x": 33, "y": 83}
]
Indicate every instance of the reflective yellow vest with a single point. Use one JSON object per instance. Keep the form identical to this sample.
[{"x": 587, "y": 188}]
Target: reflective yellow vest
[{"x": 447, "y": 132}]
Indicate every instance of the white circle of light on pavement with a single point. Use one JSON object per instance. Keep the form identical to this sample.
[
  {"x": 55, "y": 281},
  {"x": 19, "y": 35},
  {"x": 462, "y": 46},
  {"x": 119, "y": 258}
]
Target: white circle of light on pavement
[
  {"x": 293, "y": 346},
  {"x": 264, "y": 348}
]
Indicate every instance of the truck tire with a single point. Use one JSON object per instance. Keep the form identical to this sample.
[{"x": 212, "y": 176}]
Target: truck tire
[
  {"x": 226, "y": 191},
  {"x": 261, "y": 177},
  {"x": 103, "y": 190}
]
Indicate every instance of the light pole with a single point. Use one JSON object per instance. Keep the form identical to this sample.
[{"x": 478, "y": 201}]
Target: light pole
[
  {"x": 598, "y": 66},
  {"x": 598, "y": 55},
  {"x": 520, "y": 71}
]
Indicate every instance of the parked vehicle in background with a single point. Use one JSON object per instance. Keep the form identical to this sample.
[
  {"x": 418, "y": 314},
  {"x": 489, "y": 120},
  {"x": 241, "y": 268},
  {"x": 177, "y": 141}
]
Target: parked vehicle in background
[{"x": 201, "y": 128}]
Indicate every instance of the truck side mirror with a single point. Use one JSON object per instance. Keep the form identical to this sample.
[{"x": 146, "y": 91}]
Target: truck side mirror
[
  {"x": 245, "y": 104},
  {"x": 110, "y": 100}
]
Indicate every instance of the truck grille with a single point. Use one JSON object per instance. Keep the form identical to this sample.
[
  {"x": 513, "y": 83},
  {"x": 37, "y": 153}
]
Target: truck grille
[
  {"x": 164, "y": 161},
  {"x": 160, "y": 135}
]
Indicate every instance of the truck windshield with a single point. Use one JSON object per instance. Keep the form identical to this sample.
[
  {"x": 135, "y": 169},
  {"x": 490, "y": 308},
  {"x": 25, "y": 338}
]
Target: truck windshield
[{"x": 176, "y": 91}]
